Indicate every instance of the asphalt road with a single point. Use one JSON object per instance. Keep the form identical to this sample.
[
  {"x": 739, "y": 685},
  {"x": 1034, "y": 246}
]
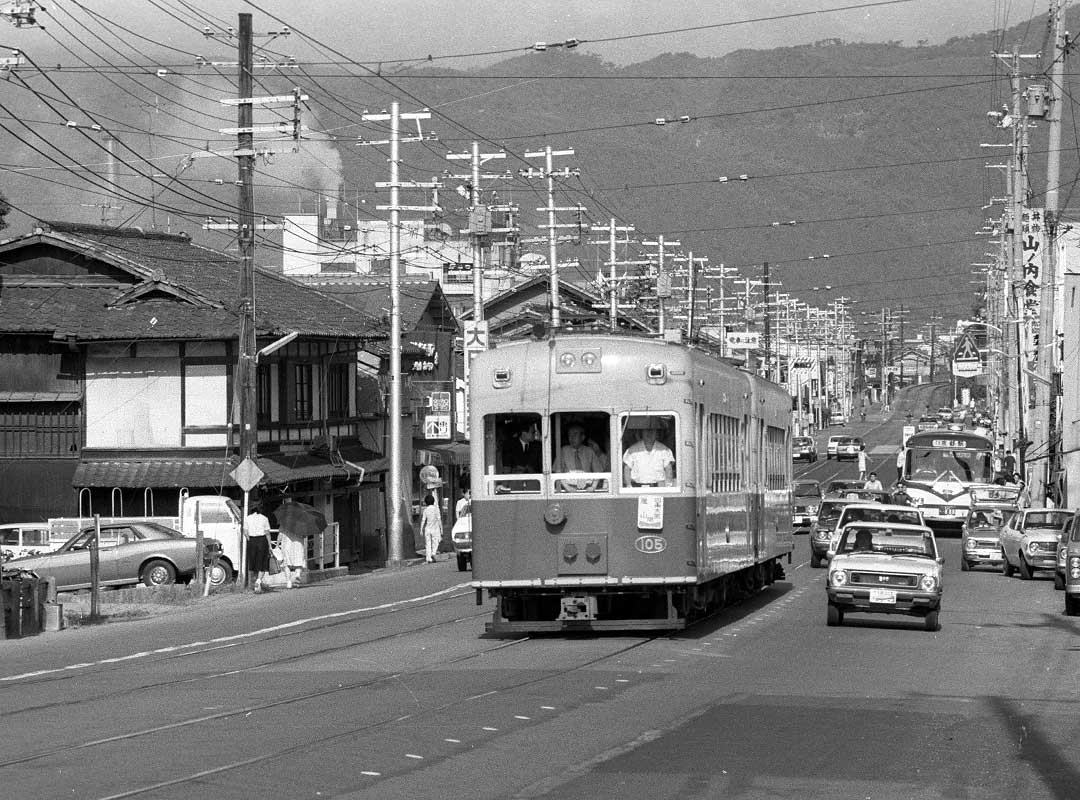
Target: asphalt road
[{"x": 383, "y": 686}]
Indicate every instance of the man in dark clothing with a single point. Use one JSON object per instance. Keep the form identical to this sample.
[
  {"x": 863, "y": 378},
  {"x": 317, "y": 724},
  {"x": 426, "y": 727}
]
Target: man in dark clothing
[{"x": 522, "y": 452}]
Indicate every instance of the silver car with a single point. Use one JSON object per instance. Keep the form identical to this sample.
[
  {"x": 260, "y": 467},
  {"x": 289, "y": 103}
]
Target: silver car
[
  {"x": 128, "y": 553},
  {"x": 1029, "y": 541}
]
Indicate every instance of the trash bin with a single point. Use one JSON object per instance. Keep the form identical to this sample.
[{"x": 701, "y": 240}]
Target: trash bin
[{"x": 22, "y": 600}]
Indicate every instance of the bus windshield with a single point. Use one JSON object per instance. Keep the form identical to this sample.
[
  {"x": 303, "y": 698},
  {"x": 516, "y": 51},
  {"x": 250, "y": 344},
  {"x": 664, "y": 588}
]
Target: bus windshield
[{"x": 937, "y": 465}]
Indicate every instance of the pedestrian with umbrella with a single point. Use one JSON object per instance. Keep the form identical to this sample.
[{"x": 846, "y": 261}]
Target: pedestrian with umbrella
[{"x": 296, "y": 521}]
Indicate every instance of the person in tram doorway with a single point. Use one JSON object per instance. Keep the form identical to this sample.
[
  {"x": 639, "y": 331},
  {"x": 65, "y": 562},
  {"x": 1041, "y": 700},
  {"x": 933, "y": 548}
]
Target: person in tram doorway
[
  {"x": 257, "y": 533},
  {"x": 431, "y": 527},
  {"x": 648, "y": 462},
  {"x": 862, "y": 462}
]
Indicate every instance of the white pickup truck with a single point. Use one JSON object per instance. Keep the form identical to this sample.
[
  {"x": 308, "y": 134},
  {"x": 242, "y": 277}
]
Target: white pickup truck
[{"x": 216, "y": 516}]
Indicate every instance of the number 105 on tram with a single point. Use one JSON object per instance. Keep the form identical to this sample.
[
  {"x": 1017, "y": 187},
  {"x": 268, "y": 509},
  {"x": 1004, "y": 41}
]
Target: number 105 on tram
[{"x": 623, "y": 483}]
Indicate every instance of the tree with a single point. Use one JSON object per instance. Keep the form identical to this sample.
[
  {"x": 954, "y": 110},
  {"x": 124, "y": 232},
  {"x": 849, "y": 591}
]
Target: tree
[{"x": 4, "y": 210}]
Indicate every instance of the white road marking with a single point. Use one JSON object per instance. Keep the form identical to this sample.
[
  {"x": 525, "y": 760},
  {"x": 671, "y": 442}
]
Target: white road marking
[{"x": 233, "y": 639}]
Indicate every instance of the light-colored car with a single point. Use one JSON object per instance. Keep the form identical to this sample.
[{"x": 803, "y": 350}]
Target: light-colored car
[
  {"x": 883, "y": 568},
  {"x": 803, "y": 449},
  {"x": 927, "y": 423},
  {"x": 1029, "y": 541},
  {"x": 837, "y": 418},
  {"x": 872, "y": 511},
  {"x": 1072, "y": 566},
  {"x": 805, "y": 499},
  {"x": 20, "y": 539},
  {"x": 831, "y": 445},
  {"x": 128, "y": 553},
  {"x": 849, "y": 448},
  {"x": 980, "y": 537}
]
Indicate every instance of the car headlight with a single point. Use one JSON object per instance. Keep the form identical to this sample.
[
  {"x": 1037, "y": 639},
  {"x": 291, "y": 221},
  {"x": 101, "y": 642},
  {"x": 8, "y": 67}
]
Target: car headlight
[
  {"x": 1063, "y": 553},
  {"x": 1033, "y": 548},
  {"x": 928, "y": 583},
  {"x": 838, "y": 577},
  {"x": 969, "y": 544},
  {"x": 822, "y": 536},
  {"x": 811, "y": 509}
]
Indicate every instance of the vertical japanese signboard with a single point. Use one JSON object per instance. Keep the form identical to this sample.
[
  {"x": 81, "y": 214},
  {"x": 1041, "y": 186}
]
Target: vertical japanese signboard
[{"x": 1033, "y": 243}]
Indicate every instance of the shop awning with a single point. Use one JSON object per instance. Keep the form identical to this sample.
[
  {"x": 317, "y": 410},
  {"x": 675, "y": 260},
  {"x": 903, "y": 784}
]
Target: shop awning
[{"x": 158, "y": 473}]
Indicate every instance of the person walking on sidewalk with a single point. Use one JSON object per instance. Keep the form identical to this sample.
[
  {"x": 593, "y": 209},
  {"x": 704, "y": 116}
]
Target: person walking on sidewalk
[
  {"x": 431, "y": 528},
  {"x": 257, "y": 533}
]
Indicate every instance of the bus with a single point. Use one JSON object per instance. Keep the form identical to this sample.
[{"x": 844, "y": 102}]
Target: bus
[
  {"x": 941, "y": 468},
  {"x": 682, "y": 502}
]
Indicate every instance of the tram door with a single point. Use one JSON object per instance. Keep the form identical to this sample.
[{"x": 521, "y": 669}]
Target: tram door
[{"x": 756, "y": 498}]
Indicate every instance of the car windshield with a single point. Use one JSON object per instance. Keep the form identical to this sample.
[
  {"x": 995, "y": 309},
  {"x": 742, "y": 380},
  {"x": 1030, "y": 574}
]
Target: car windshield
[
  {"x": 1047, "y": 519},
  {"x": 829, "y": 513},
  {"x": 886, "y": 541},
  {"x": 806, "y": 490}
]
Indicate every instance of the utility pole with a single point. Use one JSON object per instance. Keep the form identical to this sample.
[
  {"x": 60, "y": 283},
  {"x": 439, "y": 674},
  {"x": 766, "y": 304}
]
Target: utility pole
[
  {"x": 397, "y": 546},
  {"x": 1044, "y": 433},
  {"x": 663, "y": 278},
  {"x": 612, "y": 231},
  {"x": 245, "y": 204},
  {"x": 550, "y": 173}
]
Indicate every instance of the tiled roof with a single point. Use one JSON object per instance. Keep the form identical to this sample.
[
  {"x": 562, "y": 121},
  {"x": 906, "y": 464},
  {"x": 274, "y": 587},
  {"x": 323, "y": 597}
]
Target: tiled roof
[
  {"x": 183, "y": 290},
  {"x": 372, "y": 295}
]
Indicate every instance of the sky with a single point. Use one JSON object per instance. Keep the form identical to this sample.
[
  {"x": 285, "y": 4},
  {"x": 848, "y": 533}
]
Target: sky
[{"x": 389, "y": 30}]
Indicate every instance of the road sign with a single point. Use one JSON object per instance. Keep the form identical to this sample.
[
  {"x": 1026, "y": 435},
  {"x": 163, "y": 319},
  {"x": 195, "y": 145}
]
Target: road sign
[
  {"x": 743, "y": 340},
  {"x": 247, "y": 475},
  {"x": 440, "y": 403},
  {"x": 967, "y": 361}
]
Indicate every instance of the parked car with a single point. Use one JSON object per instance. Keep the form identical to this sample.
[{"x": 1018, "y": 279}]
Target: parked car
[
  {"x": 980, "y": 537},
  {"x": 862, "y": 511},
  {"x": 20, "y": 539},
  {"x": 831, "y": 445},
  {"x": 885, "y": 568},
  {"x": 821, "y": 530},
  {"x": 849, "y": 448},
  {"x": 1072, "y": 566},
  {"x": 805, "y": 499},
  {"x": 128, "y": 553},
  {"x": 1029, "y": 541},
  {"x": 803, "y": 449}
]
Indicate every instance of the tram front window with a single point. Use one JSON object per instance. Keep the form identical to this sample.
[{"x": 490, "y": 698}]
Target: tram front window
[
  {"x": 580, "y": 448},
  {"x": 513, "y": 446},
  {"x": 648, "y": 459}
]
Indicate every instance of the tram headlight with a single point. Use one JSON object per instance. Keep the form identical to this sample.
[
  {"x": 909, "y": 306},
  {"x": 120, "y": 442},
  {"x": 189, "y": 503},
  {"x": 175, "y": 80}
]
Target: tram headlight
[
  {"x": 567, "y": 360},
  {"x": 588, "y": 358}
]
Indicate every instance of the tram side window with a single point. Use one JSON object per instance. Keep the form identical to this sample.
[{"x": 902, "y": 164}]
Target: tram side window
[
  {"x": 580, "y": 445},
  {"x": 723, "y": 453},
  {"x": 648, "y": 456},
  {"x": 512, "y": 446},
  {"x": 776, "y": 460}
]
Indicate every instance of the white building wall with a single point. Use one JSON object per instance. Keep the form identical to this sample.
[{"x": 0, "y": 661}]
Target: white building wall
[{"x": 132, "y": 402}]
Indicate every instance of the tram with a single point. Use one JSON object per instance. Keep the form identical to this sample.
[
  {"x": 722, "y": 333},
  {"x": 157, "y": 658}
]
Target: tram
[
  {"x": 940, "y": 470},
  {"x": 683, "y": 500}
]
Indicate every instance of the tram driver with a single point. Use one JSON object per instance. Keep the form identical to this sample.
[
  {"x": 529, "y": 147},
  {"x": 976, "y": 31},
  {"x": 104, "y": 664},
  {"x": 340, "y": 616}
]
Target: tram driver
[
  {"x": 648, "y": 461},
  {"x": 576, "y": 456}
]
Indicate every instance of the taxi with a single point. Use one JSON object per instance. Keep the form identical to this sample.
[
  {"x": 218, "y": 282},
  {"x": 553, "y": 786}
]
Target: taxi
[
  {"x": 980, "y": 537},
  {"x": 885, "y": 568}
]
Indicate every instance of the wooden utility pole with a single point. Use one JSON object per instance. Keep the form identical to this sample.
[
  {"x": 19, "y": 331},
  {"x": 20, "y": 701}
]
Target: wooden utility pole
[
  {"x": 245, "y": 159},
  {"x": 550, "y": 174}
]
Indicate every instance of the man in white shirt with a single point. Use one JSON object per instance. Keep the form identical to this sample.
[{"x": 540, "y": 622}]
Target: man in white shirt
[{"x": 648, "y": 462}]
